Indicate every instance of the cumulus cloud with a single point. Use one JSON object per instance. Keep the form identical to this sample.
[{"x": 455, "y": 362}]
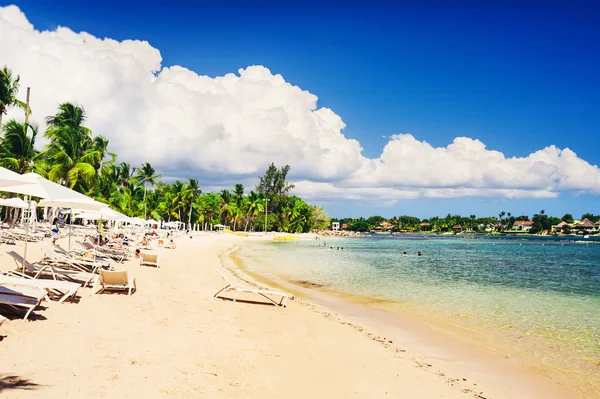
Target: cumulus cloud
[{"x": 233, "y": 126}]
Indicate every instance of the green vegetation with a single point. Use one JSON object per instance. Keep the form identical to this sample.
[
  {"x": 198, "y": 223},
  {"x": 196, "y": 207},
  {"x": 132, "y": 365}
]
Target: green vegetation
[
  {"x": 78, "y": 159},
  {"x": 503, "y": 223}
]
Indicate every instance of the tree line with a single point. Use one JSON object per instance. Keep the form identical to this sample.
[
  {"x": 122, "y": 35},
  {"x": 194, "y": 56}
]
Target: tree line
[
  {"x": 80, "y": 160},
  {"x": 541, "y": 222}
]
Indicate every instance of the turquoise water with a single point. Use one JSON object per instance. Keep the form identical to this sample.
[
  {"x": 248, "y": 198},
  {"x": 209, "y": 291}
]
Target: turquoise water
[{"x": 541, "y": 298}]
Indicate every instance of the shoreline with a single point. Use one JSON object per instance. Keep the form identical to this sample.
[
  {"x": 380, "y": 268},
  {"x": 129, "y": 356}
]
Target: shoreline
[{"x": 435, "y": 338}]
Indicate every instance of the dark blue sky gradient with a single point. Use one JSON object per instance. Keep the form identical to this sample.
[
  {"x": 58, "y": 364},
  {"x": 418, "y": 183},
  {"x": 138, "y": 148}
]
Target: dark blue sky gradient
[{"x": 517, "y": 75}]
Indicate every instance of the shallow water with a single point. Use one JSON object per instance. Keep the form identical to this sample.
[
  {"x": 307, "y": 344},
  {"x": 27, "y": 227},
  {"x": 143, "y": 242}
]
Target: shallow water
[{"x": 540, "y": 298}]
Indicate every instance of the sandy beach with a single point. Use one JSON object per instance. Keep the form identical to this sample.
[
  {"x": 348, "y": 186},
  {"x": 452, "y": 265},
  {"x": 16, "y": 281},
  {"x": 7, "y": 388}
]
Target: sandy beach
[{"x": 171, "y": 339}]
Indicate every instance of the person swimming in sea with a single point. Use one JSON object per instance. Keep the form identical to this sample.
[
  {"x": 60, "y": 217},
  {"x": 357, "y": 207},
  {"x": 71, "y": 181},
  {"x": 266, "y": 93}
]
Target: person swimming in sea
[
  {"x": 419, "y": 253},
  {"x": 404, "y": 253}
]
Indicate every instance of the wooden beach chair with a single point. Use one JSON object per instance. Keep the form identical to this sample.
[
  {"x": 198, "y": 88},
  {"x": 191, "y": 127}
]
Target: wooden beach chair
[
  {"x": 116, "y": 280},
  {"x": 230, "y": 287},
  {"x": 21, "y": 297},
  {"x": 149, "y": 260},
  {"x": 63, "y": 289}
]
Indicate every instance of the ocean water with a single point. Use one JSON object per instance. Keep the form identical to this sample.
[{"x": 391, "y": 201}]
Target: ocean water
[{"x": 539, "y": 299}]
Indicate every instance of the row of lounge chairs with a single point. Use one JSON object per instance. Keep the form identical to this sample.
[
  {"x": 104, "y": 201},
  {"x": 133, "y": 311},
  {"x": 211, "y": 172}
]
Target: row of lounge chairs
[
  {"x": 57, "y": 277},
  {"x": 10, "y": 236},
  {"x": 60, "y": 275}
]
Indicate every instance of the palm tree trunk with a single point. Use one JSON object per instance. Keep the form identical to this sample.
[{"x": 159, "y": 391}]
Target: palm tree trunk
[
  {"x": 190, "y": 214},
  {"x": 246, "y": 227},
  {"x": 145, "y": 187}
]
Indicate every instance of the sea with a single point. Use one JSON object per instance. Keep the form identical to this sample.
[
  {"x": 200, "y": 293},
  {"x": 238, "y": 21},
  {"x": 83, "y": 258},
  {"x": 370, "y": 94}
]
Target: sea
[{"x": 536, "y": 299}]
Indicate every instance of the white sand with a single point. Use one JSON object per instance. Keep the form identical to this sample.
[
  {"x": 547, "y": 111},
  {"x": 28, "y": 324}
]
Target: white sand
[{"x": 171, "y": 339}]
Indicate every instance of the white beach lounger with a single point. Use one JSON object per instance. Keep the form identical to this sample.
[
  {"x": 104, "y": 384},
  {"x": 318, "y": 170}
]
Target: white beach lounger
[
  {"x": 24, "y": 297},
  {"x": 56, "y": 273},
  {"x": 229, "y": 286},
  {"x": 116, "y": 280},
  {"x": 65, "y": 289},
  {"x": 65, "y": 261}
]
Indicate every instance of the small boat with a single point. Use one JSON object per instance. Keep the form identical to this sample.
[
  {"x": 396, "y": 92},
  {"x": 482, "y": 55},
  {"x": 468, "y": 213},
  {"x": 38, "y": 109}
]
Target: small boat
[{"x": 285, "y": 238}]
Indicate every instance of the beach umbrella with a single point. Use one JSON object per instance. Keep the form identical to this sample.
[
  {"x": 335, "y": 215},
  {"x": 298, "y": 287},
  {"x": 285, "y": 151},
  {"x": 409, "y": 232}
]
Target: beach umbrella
[
  {"x": 53, "y": 195},
  {"x": 13, "y": 203},
  {"x": 104, "y": 214},
  {"x": 10, "y": 178}
]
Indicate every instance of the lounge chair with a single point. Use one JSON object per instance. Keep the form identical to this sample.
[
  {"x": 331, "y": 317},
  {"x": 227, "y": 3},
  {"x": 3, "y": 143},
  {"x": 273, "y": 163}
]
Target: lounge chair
[
  {"x": 229, "y": 286},
  {"x": 24, "y": 297},
  {"x": 64, "y": 289},
  {"x": 66, "y": 262},
  {"x": 149, "y": 260},
  {"x": 119, "y": 256},
  {"x": 37, "y": 270},
  {"x": 116, "y": 280}
]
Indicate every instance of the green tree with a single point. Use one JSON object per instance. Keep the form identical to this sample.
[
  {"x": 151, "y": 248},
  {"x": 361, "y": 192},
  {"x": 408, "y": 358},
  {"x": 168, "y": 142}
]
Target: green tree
[
  {"x": 17, "y": 146},
  {"x": 146, "y": 175},
  {"x": 71, "y": 157},
  {"x": 375, "y": 221},
  {"x": 9, "y": 88},
  {"x": 591, "y": 217},
  {"x": 567, "y": 218},
  {"x": 192, "y": 191},
  {"x": 319, "y": 219},
  {"x": 274, "y": 188},
  {"x": 254, "y": 207}
]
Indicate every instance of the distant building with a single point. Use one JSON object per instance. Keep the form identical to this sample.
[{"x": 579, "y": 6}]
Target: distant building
[
  {"x": 584, "y": 225},
  {"x": 457, "y": 227},
  {"x": 561, "y": 227},
  {"x": 344, "y": 226},
  {"x": 523, "y": 225},
  {"x": 386, "y": 225},
  {"x": 335, "y": 226},
  {"x": 425, "y": 226}
]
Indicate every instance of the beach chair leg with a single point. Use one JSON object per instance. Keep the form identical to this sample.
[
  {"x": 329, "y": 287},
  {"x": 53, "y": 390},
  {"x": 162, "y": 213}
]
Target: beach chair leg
[
  {"x": 224, "y": 289},
  {"x": 269, "y": 299},
  {"x": 29, "y": 312}
]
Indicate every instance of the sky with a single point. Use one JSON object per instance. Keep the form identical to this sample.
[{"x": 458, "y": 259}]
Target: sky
[{"x": 422, "y": 108}]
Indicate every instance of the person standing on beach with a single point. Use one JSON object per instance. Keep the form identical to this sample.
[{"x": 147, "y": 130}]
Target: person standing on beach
[{"x": 54, "y": 232}]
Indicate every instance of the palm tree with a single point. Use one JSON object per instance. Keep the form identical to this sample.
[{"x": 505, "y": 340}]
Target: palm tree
[
  {"x": 227, "y": 206},
  {"x": 193, "y": 190},
  {"x": 179, "y": 196},
  {"x": 9, "y": 87},
  {"x": 17, "y": 147},
  {"x": 99, "y": 146},
  {"x": 71, "y": 157},
  {"x": 238, "y": 193},
  {"x": 472, "y": 217},
  {"x": 147, "y": 175},
  {"x": 254, "y": 207}
]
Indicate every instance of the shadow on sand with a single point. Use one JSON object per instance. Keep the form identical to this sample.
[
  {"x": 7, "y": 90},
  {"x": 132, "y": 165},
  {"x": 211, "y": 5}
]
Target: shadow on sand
[{"x": 8, "y": 382}]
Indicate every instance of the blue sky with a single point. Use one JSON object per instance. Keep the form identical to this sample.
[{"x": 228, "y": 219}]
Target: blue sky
[{"x": 517, "y": 75}]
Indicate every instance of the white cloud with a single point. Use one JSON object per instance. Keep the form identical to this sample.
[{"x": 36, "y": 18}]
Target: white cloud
[{"x": 234, "y": 125}]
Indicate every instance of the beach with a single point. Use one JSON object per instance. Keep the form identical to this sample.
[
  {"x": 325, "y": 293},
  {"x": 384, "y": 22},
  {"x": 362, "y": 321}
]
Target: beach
[{"x": 171, "y": 339}]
